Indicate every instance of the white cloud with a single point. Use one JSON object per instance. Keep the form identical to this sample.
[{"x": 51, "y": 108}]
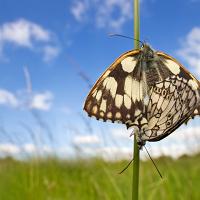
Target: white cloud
[
  {"x": 24, "y": 33},
  {"x": 121, "y": 133},
  {"x": 8, "y": 148},
  {"x": 173, "y": 150},
  {"x": 50, "y": 52},
  {"x": 190, "y": 50},
  {"x": 28, "y": 148},
  {"x": 86, "y": 139},
  {"x": 78, "y": 10},
  {"x": 31, "y": 148},
  {"x": 41, "y": 101},
  {"x": 115, "y": 153},
  {"x": 185, "y": 140},
  {"x": 111, "y": 14},
  {"x": 8, "y": 98}
]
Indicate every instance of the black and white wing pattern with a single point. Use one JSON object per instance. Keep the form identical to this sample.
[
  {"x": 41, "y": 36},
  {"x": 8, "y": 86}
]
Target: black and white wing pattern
[
  {"x": 172, "y": 101},
  {"x": 146, "y": 90},
  {"x": 117, "y": 95},
  {"x": 196, "y": 112}
]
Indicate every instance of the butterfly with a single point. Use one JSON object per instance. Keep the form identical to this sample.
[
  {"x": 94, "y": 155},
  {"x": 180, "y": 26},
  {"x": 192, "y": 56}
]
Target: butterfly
[{"x": 146, "y": 90}]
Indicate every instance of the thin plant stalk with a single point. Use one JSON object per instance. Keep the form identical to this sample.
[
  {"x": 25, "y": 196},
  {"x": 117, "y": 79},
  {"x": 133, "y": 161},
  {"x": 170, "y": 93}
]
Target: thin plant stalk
[
  {"x": 136, "y": 24},
  {"x": 136, "y": 165},
  {"x": 135, "y": 181}
]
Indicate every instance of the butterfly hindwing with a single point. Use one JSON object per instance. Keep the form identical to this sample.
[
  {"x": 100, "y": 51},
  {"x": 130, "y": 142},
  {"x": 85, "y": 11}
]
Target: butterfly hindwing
[
  {"x": 172, "y": 100},
  {"x": 196, "y": 112}
]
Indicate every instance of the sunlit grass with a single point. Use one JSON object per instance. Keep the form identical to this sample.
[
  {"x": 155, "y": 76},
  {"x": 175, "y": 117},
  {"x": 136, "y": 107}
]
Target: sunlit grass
[{"x": 97, "y": 179}]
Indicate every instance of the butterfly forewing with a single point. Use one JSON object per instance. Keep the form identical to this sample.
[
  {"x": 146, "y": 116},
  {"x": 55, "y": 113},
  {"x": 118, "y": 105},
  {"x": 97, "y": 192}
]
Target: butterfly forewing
[{"x": 117, "y": 94}]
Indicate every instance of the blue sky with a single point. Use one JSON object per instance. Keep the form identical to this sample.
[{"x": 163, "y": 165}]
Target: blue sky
[{"x": 45, "y": 44}]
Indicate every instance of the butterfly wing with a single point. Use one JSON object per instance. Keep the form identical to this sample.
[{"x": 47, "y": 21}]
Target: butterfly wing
[
  {"x": 196, "y": 112},
  {"x": 117, "y": 94},
  {"x": 153, "y": 96},
  {"x": 172, "y": 100}
]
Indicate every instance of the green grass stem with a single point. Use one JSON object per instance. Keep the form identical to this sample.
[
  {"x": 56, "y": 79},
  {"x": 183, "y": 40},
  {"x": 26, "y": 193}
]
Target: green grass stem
[{"x": 136, "y": 163}]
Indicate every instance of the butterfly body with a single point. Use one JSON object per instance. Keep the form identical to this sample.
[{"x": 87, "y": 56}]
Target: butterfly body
[{"x": 148, "y": 91}]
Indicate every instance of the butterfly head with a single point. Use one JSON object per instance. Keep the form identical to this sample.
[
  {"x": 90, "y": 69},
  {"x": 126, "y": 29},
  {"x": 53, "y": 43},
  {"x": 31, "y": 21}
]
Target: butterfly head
[{"x": 148, "y": 53}]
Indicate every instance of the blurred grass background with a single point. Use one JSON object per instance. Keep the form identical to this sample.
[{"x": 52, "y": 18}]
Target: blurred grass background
[{"x": 54, "y": 179}]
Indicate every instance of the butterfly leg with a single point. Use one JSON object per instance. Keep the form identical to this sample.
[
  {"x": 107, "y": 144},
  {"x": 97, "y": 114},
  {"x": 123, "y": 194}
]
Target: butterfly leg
[
  {"x": 141, "y": 143},
  {"x": 139, "y": 139}
]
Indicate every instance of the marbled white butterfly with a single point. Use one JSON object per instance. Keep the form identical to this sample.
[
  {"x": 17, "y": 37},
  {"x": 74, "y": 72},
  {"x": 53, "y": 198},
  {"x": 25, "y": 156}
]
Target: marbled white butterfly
[{"x": 148, "y": 91}]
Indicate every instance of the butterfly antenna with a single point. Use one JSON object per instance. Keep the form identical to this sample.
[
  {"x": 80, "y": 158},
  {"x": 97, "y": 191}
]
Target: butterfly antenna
[
  {"x": 153, "y": 162},
  {"x": 119, "y": 35},
  {"x": 125, "y": 168}
]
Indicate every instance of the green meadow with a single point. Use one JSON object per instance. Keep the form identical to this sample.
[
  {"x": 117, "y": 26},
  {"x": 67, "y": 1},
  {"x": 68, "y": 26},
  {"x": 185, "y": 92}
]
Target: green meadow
[{"x": 95, "y": 179}]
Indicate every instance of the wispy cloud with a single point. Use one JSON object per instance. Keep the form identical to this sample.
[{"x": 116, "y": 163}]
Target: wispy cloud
[
  {"x": 31, "y": 148},
  {"x": 108, "y": 152},
  {"x": 50, "y": 52},
  {"x": 185, "y": 140},
  {"x": 8, "y": 98},
  {"x": 115, "y": 153},
  {"x": 86, "y": 139},
  {"x": 28, "y": 148},
  {"x": 23, "y": 33},
  {"x": 190, "y": 49},
  {"x": 79, "y": 10},
  {"x": 111, "y": 15},
  {"x": 41, "y": 101},
  {"x": 37, "y": 101},
  {"x": 26, "y": 34},
  {"x": 121, "y": 133},
  {"x": 8, "y": 148}
]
